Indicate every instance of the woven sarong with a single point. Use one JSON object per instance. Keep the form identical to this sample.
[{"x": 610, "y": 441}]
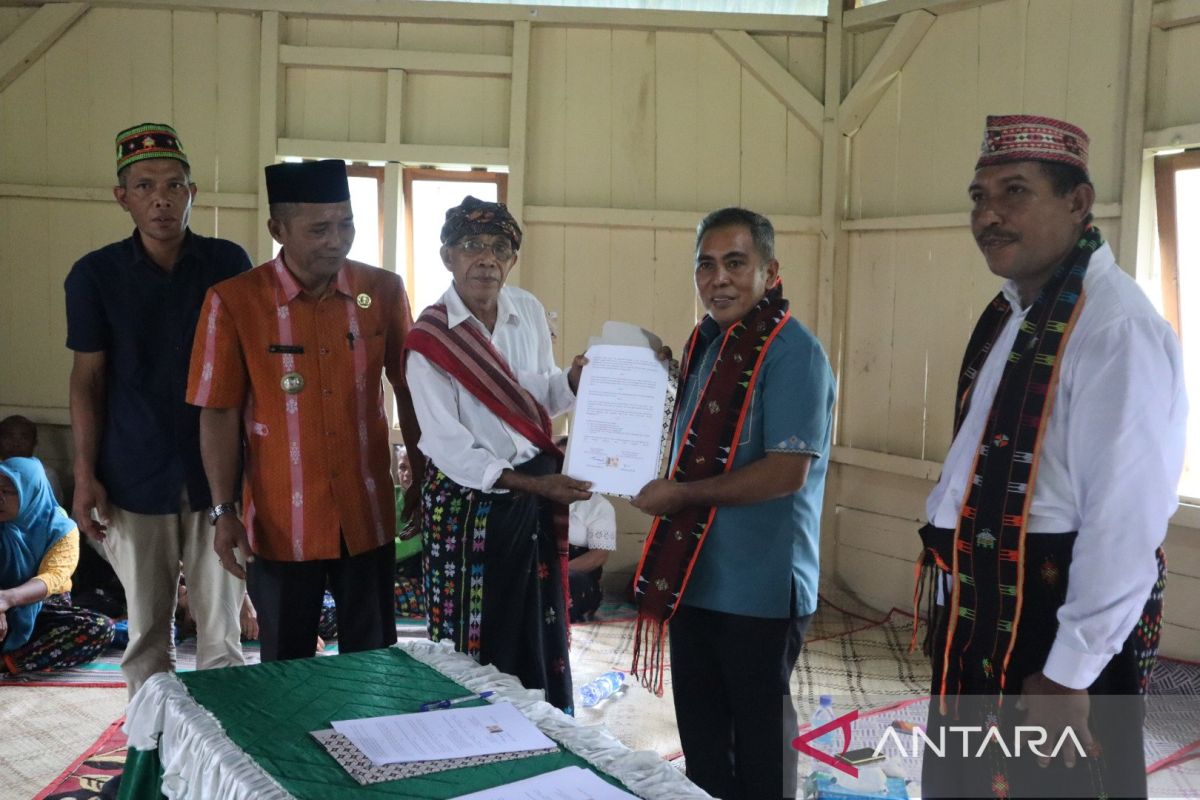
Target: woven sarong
[
  {"x": 1117, "y": 706},
  {"x": 469, "y": 357},
  {"x": 496, "y": 563},
  {"x": 493, "y": 581}
]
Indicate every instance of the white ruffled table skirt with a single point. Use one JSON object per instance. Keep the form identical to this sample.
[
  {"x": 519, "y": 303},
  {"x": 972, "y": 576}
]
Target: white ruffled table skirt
[{"x": 200, "y": 762}]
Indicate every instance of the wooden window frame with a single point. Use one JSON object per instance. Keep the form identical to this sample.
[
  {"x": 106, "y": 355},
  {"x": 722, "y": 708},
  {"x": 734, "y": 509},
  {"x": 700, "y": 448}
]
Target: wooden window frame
[
  {"x": 376, "y": 173},
  {"x": 413, "y": 174},
  {"x": 1165, "y": 168},
  {"x": 1165, "y": 195}
]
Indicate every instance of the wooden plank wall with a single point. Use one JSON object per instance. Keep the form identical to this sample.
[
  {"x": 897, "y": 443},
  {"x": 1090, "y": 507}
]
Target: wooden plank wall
[
  {"x": 631, "y": 131},
  {"x": 618, "y": 119},
  {"x": 625, "y": 119},
  {"x": 331, "y": 104},
  {"x": 57, "y": 122},
  {"x": 651, "y": 121},
  {"x": 1173, "y": 96}
]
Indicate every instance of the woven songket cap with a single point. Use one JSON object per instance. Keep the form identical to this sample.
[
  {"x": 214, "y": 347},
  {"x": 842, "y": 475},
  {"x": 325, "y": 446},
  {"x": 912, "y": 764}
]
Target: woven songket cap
[
  {"x": 474, "y": 216},
  {"x": 308, "y": 182},
  {"x": 148, "y": 140},
  {"x": 1021, "y": 137}
]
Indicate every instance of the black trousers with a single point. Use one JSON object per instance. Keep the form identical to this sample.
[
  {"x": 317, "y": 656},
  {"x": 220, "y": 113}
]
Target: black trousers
[
  {"x": 729, "y": 676},
  {"x": 288, "y": 594},
  {"x": 586, "y": 593}
]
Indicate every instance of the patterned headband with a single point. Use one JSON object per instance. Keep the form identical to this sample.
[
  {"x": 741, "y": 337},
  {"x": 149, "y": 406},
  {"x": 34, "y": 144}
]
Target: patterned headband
[{"x": 474, "y": 216}]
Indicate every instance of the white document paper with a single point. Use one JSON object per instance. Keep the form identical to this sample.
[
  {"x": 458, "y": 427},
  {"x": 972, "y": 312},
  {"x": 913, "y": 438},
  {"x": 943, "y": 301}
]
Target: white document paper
[
  {"x": 620, "y": 413},
  {"x": 452, "y": 733},
  {"x": 568, "y": 783}
]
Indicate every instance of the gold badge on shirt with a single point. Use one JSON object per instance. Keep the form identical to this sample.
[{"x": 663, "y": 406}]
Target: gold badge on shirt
[
  {"x": 292, "y": 382},
  {"x": 364, "y": 300}
]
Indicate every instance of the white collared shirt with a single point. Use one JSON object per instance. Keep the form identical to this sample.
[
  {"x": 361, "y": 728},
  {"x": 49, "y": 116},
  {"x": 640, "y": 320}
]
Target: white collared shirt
[
  {"x": 1109, "y": 466},
  {"x": 462, "y": 437}
]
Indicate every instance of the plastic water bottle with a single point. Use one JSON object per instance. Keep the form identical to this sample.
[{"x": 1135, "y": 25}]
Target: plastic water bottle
[
  {"x": 826, "y": 742},
  {"x": 120, "y": 638},
  {"x": 601, "y": 687}
]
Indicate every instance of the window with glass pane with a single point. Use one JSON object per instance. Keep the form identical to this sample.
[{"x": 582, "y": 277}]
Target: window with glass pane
[
  {"x": 427, "y": 195},
  {"x": 1177, "y": 186},
  {"x": 366, "y": 200},
  {"x": 366, "y": 197}
]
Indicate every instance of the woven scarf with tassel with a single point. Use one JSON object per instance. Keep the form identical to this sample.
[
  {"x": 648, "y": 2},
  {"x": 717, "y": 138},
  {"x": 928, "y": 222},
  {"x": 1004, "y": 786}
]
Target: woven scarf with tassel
[
  {"x": 987, "y": 560},
  {"x": 706, "y": 448}
]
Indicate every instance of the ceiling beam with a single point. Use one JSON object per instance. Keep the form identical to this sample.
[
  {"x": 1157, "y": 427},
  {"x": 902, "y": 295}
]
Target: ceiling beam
[
  {"x": 1175, "y": 14},
  {"x": 1178, "y": 136},
  {"x": 778, "y": 81},
  {"x": 484, "y": 13},
  {"x": 412, "y": 61},
  {"x": 657, "y": 219},
  {"x": 437, "y": 155},
  {"x": 34, "y": 37},
  {"x": 879, "y": 15},
  {"x": 104, "y": 194},
  {"x": 885, "y": 66}
]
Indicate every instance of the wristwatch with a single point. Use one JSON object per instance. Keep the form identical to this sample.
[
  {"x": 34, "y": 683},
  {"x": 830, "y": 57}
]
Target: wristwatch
[{"x": 217, "y": 511}]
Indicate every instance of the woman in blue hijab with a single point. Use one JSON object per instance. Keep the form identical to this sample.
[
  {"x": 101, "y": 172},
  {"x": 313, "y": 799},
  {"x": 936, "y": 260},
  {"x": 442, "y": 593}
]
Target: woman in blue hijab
[{"x": 39, "y": 549}]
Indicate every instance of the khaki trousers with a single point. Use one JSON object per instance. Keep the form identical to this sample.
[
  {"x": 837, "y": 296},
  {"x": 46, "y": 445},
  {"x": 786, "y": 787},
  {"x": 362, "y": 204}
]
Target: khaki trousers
[{"x": 145, "y": 550}]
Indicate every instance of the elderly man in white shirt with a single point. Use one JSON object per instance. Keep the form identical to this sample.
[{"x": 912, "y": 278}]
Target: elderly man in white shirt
[
  {"x": 485, "y": 386},
  {"x": 1045, "y": 527}
]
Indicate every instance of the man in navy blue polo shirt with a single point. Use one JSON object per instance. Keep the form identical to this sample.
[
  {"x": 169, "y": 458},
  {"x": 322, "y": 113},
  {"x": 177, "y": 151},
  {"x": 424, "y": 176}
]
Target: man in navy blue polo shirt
[{"x": 140, "y": 489}]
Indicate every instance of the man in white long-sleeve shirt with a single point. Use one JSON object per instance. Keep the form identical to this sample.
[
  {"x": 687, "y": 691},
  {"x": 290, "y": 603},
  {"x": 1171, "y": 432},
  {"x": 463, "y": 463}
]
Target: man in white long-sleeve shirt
[
  {"x": 493, "y": 502},
  {"x": 1045, "y": 526}
]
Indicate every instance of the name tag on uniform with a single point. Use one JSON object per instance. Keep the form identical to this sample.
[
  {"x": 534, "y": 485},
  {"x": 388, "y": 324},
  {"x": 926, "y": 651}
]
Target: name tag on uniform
[{"x": 291, "y": 349}]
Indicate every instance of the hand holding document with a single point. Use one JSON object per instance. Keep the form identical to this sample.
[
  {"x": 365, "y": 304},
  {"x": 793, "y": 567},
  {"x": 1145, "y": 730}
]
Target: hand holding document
[
  {"x": 452, "y": 733},
  {"x": 622, "y": 412}
]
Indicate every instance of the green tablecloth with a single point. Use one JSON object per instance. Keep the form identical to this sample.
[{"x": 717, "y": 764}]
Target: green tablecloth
[{"x": 269, "y": 709}]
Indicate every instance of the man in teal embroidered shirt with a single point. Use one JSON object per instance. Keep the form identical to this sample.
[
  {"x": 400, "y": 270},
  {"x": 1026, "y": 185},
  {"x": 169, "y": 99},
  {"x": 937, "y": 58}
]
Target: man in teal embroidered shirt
[{"x": 742, "y": 505}]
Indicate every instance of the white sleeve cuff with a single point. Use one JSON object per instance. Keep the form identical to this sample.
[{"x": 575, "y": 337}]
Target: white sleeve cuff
[
  {"x": 491, "y": 474},
  {"x": 1072, "y": 668}
]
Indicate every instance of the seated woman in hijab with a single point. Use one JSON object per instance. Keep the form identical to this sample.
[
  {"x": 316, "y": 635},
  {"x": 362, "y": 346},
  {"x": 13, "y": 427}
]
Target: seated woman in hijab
[{"x": 39, "y": 548}]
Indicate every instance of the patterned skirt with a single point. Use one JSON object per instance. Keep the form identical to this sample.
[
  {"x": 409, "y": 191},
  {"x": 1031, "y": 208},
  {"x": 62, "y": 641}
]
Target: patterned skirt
[
  {"x": 63, "y": 636},
  {"x": 1117, "y": 701},
  {"x": 494, "y": 580}
]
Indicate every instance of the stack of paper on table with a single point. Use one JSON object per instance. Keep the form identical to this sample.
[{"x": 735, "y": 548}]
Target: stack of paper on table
[{"x": 407, "y": 745}]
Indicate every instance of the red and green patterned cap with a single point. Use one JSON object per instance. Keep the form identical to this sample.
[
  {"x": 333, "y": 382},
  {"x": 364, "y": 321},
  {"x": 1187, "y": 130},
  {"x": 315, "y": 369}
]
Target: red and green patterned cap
[
  {"x": 1024, "y": 137},
  {"x": 148, "y": 140}
]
